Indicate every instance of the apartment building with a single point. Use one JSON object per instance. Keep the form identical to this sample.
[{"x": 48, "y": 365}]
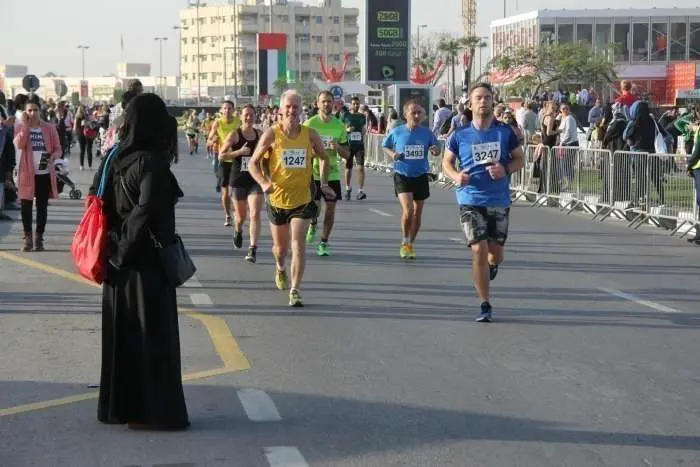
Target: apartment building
[{"x": 223, "y": 36}]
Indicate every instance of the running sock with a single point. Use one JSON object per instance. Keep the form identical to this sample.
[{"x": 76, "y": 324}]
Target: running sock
[{"x": 405, "y": 240}]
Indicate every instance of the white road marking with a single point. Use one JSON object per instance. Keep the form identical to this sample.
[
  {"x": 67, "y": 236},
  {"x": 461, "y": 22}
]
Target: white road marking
[
  {"x": 258, "y": 406},
  {"x": 458, "y": 240},
  {"x": 201, "y": 299},
  {"x": 381, "y": 213},
  {"x": 193, "y": 283},
  {"x": 284, "y": 456},
  {"x": 640, "y": 301}
]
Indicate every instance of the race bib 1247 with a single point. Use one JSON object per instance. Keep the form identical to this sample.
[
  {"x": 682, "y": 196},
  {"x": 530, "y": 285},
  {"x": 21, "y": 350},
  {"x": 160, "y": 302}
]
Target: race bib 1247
[
  {"x": 294, "y": 158},
  {"x": 486, "y": 153}
]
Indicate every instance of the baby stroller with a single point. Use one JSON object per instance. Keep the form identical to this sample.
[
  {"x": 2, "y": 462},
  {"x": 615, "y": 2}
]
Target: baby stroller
[{"x": 62, "y": 179}]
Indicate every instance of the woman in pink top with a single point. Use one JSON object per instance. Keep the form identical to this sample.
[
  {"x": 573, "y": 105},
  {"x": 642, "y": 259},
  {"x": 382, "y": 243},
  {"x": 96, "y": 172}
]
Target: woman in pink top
[{"x": 38, "y": 146}]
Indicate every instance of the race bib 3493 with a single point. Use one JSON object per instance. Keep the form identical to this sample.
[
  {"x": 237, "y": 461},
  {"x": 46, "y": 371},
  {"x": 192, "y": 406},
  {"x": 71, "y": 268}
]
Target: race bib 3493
[{"x": 414, "y": 151}]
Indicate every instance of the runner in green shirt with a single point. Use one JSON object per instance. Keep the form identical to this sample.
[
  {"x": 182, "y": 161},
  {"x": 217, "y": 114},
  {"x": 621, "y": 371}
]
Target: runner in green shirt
[
  {"x": 355, "y": 123},
  {"x": 335, "y": 140}
]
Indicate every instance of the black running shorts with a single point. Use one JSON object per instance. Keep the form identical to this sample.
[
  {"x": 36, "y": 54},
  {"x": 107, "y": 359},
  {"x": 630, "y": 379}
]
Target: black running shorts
[
  {"x": 281, "y": 216},
  {"x": 419, "y": 186},
  {"x": 318, "y": 194}
]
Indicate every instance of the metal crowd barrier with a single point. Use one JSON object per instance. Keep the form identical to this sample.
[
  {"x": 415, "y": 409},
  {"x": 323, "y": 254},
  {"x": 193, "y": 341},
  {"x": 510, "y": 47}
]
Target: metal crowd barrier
[{"x": 634, "y": 187}]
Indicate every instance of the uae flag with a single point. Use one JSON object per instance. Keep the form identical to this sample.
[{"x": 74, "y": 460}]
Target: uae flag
[{"x": 272, "y": 61}]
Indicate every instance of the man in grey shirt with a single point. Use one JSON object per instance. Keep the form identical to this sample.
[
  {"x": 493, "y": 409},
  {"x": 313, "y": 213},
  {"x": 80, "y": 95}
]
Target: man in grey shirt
[
  {"x": 595, "y": 114},
  {"x": 442, "y": 115}
]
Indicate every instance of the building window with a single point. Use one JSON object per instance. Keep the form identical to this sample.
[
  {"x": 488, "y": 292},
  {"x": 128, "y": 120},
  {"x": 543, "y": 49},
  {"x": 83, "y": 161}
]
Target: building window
[
  {"x": 659, "y": 42},
  {"x": 694, "y": 42},
  {"x": 318, "y": 39},
  {"x": 335, "y": 39},
  {"x": 640, "y": 42},
  {"x": 566, "y": 33},
  {"x": 319, "y": 20},
  {"x": 603, "y": 35},
  {"x": 584, "y": 33},
  {"x": 546, "y": 34},
  {"x": 283, "y": 18},
  {"x": 336, "y": 20},
  {"x": 621, "y": 39},
  {"x": 678, "y": 40}
]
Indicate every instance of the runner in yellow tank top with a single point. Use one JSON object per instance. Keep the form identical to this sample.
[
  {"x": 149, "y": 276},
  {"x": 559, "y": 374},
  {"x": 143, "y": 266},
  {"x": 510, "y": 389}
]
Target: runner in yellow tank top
[
  {"x": 219, "y": 133},
  {"x": 289, "y": 148}
]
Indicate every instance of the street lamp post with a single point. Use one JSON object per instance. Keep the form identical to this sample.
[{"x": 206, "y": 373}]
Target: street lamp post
[
  {"x": 420, "y": 26},
  {"x": 304, "y": 25},
  {"x": 199, "y": 77},
  {"x": 160, "y": 40},
  {"x": 226, "y": 73},
  {"x": 179, "y": 30},
  {"x": 235, "y": 53},
  {"x": 83, "y": 48}
]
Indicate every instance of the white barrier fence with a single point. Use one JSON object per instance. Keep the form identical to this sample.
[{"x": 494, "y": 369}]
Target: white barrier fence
[{"x": 634, "y": 187}]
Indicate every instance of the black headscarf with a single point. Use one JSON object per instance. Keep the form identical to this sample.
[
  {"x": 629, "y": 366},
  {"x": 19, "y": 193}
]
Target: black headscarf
[
  {"x": 146, "y": 126},
  {"x": 607, "y": 114}
]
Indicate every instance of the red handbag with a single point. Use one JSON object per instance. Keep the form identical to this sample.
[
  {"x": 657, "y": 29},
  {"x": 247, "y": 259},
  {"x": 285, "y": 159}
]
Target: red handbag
[{"x": 89, "y": 247}]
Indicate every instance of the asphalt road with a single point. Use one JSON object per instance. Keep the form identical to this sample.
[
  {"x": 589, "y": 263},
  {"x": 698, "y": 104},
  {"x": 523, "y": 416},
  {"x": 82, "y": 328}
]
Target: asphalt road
[{"x": 592, "y": 360}]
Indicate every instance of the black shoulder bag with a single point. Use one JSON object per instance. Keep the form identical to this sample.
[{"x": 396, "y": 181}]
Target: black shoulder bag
[{"x": 174, "y": 259}]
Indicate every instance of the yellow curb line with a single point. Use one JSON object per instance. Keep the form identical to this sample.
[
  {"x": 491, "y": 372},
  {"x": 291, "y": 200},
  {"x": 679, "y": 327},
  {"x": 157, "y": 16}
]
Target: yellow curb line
[{"x": 220, "y": 335}]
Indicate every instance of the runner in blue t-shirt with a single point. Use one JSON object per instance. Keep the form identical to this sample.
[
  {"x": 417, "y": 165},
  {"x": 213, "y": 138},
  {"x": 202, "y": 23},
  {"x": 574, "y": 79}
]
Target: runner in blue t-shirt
[
  {"x": 486, "y": 153},
  {"x": 409, "y": 145}
]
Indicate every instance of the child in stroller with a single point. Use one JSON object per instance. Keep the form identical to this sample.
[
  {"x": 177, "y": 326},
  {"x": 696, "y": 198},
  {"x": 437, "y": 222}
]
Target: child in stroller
[{"x": 62, "y": 179}]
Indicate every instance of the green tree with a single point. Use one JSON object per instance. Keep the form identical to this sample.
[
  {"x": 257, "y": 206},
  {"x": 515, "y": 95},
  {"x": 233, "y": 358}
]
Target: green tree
[
  {"x": 354, "y": 74},
  {"x": 453, "y": 48},
  {"x": 280, "y": 85},
  {"x": 550, "y": 63},
  {"x": 117, "y": 95},
  {"x": 75, "y": 98}
]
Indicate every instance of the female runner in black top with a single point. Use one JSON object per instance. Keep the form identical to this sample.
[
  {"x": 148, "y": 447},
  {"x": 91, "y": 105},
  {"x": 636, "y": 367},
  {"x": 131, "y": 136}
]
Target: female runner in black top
[{"x": 247, "y": 194}]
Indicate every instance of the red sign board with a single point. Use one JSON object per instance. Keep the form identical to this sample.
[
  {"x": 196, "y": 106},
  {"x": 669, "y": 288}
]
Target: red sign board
[{"x": 681, "y": 76}]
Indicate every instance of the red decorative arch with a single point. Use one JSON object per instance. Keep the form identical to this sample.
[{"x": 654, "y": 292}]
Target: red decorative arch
[
  {"x": 420, "y": 76},
  {"x": 334, "y": 75}
]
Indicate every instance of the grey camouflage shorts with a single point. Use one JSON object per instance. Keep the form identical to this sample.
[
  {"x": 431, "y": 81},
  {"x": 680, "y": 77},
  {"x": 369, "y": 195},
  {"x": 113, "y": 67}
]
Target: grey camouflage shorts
[{"x": 481, "y": 223}]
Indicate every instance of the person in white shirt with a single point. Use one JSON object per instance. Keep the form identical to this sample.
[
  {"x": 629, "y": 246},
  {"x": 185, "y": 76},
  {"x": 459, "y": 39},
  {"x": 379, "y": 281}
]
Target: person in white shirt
[{"x": 568, "y": 136}]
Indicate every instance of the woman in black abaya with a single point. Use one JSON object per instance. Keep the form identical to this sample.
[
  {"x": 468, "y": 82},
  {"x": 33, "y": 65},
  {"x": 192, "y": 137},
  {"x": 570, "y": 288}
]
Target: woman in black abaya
[{"x": 141, "y": 380}]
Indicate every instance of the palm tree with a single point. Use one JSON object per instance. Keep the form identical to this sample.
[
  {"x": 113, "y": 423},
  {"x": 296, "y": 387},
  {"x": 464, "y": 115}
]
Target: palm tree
[{"x": 453, "y": 47}]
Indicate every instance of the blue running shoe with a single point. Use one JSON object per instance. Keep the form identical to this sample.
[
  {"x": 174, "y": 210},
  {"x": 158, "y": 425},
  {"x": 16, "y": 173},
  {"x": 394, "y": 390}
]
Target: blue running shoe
[{"x": 485, "y": 315}]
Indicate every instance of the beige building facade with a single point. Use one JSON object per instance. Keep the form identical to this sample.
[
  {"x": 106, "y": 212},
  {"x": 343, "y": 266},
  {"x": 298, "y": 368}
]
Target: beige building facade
[{"x": 224, "y": 37}]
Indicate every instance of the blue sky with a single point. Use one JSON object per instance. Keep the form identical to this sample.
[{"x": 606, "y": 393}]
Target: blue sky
[{"x": 34, "y": 39}]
